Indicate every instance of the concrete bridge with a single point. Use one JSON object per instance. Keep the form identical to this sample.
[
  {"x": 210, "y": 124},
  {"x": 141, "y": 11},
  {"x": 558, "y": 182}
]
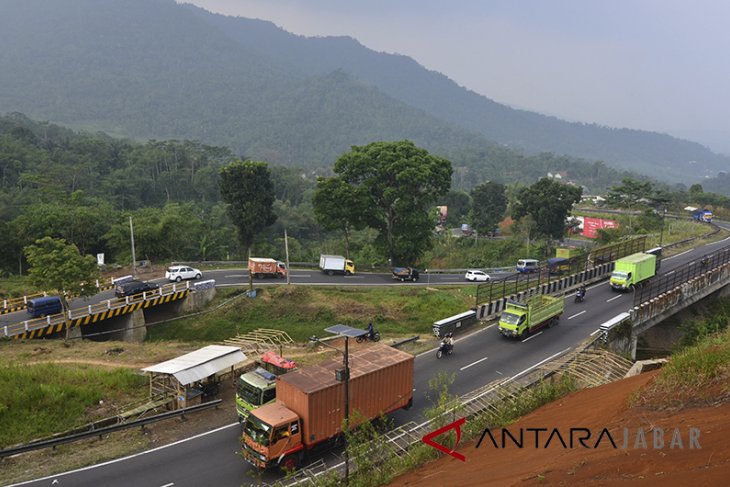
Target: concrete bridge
[{"x": 123, "y": 318}]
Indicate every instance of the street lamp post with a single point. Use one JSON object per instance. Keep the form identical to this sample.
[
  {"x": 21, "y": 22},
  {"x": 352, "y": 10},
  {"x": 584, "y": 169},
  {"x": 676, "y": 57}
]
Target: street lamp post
[
  {"x": 661, "y": 233},
  {"x": 347, "y": 332}
]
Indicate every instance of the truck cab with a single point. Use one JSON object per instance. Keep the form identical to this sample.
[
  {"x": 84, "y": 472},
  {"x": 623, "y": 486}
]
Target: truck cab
[
  {"x": 258, "y": 387},
  {"x": 513, "y": 321},
  {"x": 272, "y": 438}
]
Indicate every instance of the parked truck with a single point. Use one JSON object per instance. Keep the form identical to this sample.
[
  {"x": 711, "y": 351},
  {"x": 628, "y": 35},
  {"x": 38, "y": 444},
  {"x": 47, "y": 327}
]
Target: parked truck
[
  {"x": 258, "y": 387},
  {"x": 265, "y": 267},
  {"x": 631, "y": 270},
  {"x": 336, "y": 264},
  {"x": 520, "y": 319},
  {"x": 405, "y": 274},
  {"x": 308, "y": 413}
]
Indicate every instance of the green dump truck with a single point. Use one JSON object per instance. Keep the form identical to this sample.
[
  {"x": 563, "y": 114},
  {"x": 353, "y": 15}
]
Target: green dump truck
[
  {"x": 258, "y": 387},
  {"x": 631, "y": 270},
  {"x": 520, "y": 319}
]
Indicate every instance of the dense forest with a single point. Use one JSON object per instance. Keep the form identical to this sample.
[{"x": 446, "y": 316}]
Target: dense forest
[
  {"x": 83, "y": 186},
  {"x": 154, "y": 69}
]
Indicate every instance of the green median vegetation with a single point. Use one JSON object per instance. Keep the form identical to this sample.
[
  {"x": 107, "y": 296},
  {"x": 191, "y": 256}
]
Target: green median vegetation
[
  {"x": 305, "y": 311},
  {"x": 43, "y": 399}
]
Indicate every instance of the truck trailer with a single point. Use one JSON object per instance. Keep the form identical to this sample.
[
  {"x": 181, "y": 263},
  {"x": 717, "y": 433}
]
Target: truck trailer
[
  {"x": 265, "y": 267},
  {"x": 258, "y": 387},
  {"x": 336, "y": 264},
  {"x": 520, "y": 319},
  {"x": 631, "y": 270},
  {"x": 308, "y": 412}
]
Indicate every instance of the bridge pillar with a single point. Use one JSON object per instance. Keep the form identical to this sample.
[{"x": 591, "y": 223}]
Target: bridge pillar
[
  {"x": 195, "y": 301},
  {"x": 134, "y": 328}
]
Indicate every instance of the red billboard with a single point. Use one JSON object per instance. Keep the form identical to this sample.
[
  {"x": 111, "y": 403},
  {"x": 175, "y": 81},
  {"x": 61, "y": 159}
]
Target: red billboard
[{"x": 592, "y": 225}]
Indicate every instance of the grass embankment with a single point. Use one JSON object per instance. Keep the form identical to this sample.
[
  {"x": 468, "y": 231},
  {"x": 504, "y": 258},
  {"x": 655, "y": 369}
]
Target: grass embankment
[
  {"x": 306, "y": 311},
  {"x": 695, "y": 376},
  {"x": 42, "y": 399}
]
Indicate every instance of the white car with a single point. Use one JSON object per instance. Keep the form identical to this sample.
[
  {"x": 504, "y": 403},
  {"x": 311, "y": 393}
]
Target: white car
[
  {"x": 180, "y": 272},
  {"x": 475, "y": 276}
]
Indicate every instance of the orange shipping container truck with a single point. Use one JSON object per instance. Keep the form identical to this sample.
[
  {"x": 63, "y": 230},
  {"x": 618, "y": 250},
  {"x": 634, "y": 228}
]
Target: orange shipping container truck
[
  {"x": 264, "y": 267},
  {"x": 310, "y": 405}
]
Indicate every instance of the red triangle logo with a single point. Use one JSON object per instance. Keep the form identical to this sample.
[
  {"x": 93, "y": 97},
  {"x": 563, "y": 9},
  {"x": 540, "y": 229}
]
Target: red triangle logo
[{"x": 428, "y": 439}]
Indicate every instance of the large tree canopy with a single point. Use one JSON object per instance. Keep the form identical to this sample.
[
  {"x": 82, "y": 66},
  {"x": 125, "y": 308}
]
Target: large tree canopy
[
  {"x": 247, "y": 189},
  {"x": 393, "y": 187},
  {"x": 489, "y": 202},
  {"x": 548, "y": 202}
]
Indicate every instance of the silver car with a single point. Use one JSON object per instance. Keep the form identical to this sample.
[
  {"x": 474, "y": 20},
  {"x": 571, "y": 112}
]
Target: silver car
[
  {"x": 180, "y": 272},
  {"x": 477, "y": 276}
]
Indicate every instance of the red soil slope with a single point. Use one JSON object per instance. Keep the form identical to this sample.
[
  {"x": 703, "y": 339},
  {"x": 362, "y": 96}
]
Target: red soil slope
[{"x": 597, "y": 408}]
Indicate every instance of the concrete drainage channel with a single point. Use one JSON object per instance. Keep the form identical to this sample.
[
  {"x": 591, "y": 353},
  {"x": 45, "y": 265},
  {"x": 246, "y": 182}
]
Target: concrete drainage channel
[{"x": 597, "y": 367}]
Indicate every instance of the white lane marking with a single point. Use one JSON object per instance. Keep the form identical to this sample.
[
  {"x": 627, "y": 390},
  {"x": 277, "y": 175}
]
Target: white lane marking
[
  {"x": 117, "y": 460},
  {"x": 473, "y": 363},
  {"x": 354, "y": 277},
  {"x": 301, "y": 275},
  {"x": 450, "y": 278},
  {"x": 500, "y": 373},
  {"x": 539, "y": 363},
  {"x": 168, "y": 485},
  {"x": 670, "y": 272},
  {"x": 577, "y": 314},
  {"x": 677, "y": 255},
  {"x": 237, "y": 275},
  {"x": 531, "y": 337},
  {"x": 615, "y": 297},
  {"x": 597, "y": 331}
]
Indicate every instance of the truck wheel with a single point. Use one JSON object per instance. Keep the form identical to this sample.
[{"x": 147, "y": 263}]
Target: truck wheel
[
  {"x": 289, "y": 463},
  {"x": 329, "y": 273},
  {"x": 525, "y": 333},
  {"x": 260, "y": 276},
  {"x": 347, "y": 273},
  {"x": 402, "y": 279},
  {"x": 415, "y": 279}
]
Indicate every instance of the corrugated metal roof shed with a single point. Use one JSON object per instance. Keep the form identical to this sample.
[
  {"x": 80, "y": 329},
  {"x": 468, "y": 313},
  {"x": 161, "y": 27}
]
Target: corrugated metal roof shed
[{"x": 199, "y": 364}]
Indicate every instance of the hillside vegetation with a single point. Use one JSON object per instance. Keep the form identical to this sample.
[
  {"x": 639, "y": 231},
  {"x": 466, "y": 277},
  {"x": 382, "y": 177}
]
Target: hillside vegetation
[{"x": 155, "y": 69}]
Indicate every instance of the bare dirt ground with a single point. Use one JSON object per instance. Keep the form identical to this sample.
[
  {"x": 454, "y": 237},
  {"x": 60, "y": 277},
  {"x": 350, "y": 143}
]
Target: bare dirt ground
[{"x": 598, "y": 408}]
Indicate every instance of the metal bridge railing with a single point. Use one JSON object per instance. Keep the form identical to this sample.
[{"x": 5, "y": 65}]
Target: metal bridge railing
[{"x": 661, "y": 284}]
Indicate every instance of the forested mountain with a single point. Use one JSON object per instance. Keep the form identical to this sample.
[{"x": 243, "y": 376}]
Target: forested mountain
[{"x": 155, "y": 69}]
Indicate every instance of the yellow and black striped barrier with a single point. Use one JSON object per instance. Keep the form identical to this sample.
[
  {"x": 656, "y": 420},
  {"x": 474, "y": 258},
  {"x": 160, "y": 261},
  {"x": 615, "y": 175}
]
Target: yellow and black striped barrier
[{"x": 44, "y": 327}]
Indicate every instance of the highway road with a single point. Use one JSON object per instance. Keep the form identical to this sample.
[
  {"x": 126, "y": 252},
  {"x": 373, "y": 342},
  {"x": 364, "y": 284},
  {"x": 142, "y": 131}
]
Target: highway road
[
  {"x": 478, "y": 359},
  {"x": 312, "y": 277}
]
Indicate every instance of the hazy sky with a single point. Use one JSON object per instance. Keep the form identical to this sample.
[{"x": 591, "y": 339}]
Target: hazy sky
[{"x": 659, "y": 65}]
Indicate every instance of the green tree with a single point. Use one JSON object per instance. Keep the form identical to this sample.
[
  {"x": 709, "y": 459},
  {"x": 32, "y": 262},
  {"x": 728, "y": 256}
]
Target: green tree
[
  {"x": 401, "y": 183},
  {"x": 489, "y": 202},
  {"x": 458, "y": 205},
  {"x": 337, "y": 207},
  {"x": 56, "y": 265},
  {"x": 247, "y": 189},
  {"x": 629, "y": 193},
  {"x": 548, "y": 202}
]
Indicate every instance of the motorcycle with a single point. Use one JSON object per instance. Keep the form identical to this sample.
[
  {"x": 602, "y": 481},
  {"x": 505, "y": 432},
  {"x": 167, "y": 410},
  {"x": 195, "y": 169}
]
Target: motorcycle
[
  {"x": 444, "y": 349},
  {"x": 370, "y": 337},
  {"x": 705, "y": 261},
  {"x": 579, "y": 298}
]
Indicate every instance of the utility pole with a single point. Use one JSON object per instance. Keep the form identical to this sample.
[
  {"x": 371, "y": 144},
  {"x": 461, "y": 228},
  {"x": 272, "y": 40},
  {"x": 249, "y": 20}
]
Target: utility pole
[
  {"x": 134, "y": 257},
  {"x": 286, "y": 249}
]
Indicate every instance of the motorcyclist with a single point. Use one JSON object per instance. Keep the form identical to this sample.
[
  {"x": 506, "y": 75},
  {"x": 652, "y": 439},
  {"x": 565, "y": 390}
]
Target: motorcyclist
[
  {"x": 448, "y": 341},
  {"x": 371, "y": 331},
  {"x": 581, "y": 291},
  {"x": 705, "y": 260}
]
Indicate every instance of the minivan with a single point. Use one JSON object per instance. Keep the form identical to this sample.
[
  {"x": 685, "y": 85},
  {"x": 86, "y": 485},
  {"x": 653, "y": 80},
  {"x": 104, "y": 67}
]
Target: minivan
[
  {"x": 528, "y": 265},
  {"x": 39, "y": 307},
  {"x": 130, "y": 288}
]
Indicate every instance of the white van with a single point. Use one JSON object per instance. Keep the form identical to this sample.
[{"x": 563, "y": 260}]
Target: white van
[{"x": 528, "y": 265}]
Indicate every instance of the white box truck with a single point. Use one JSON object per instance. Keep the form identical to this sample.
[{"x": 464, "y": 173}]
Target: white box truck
[{"x": 336, "y": 264}]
